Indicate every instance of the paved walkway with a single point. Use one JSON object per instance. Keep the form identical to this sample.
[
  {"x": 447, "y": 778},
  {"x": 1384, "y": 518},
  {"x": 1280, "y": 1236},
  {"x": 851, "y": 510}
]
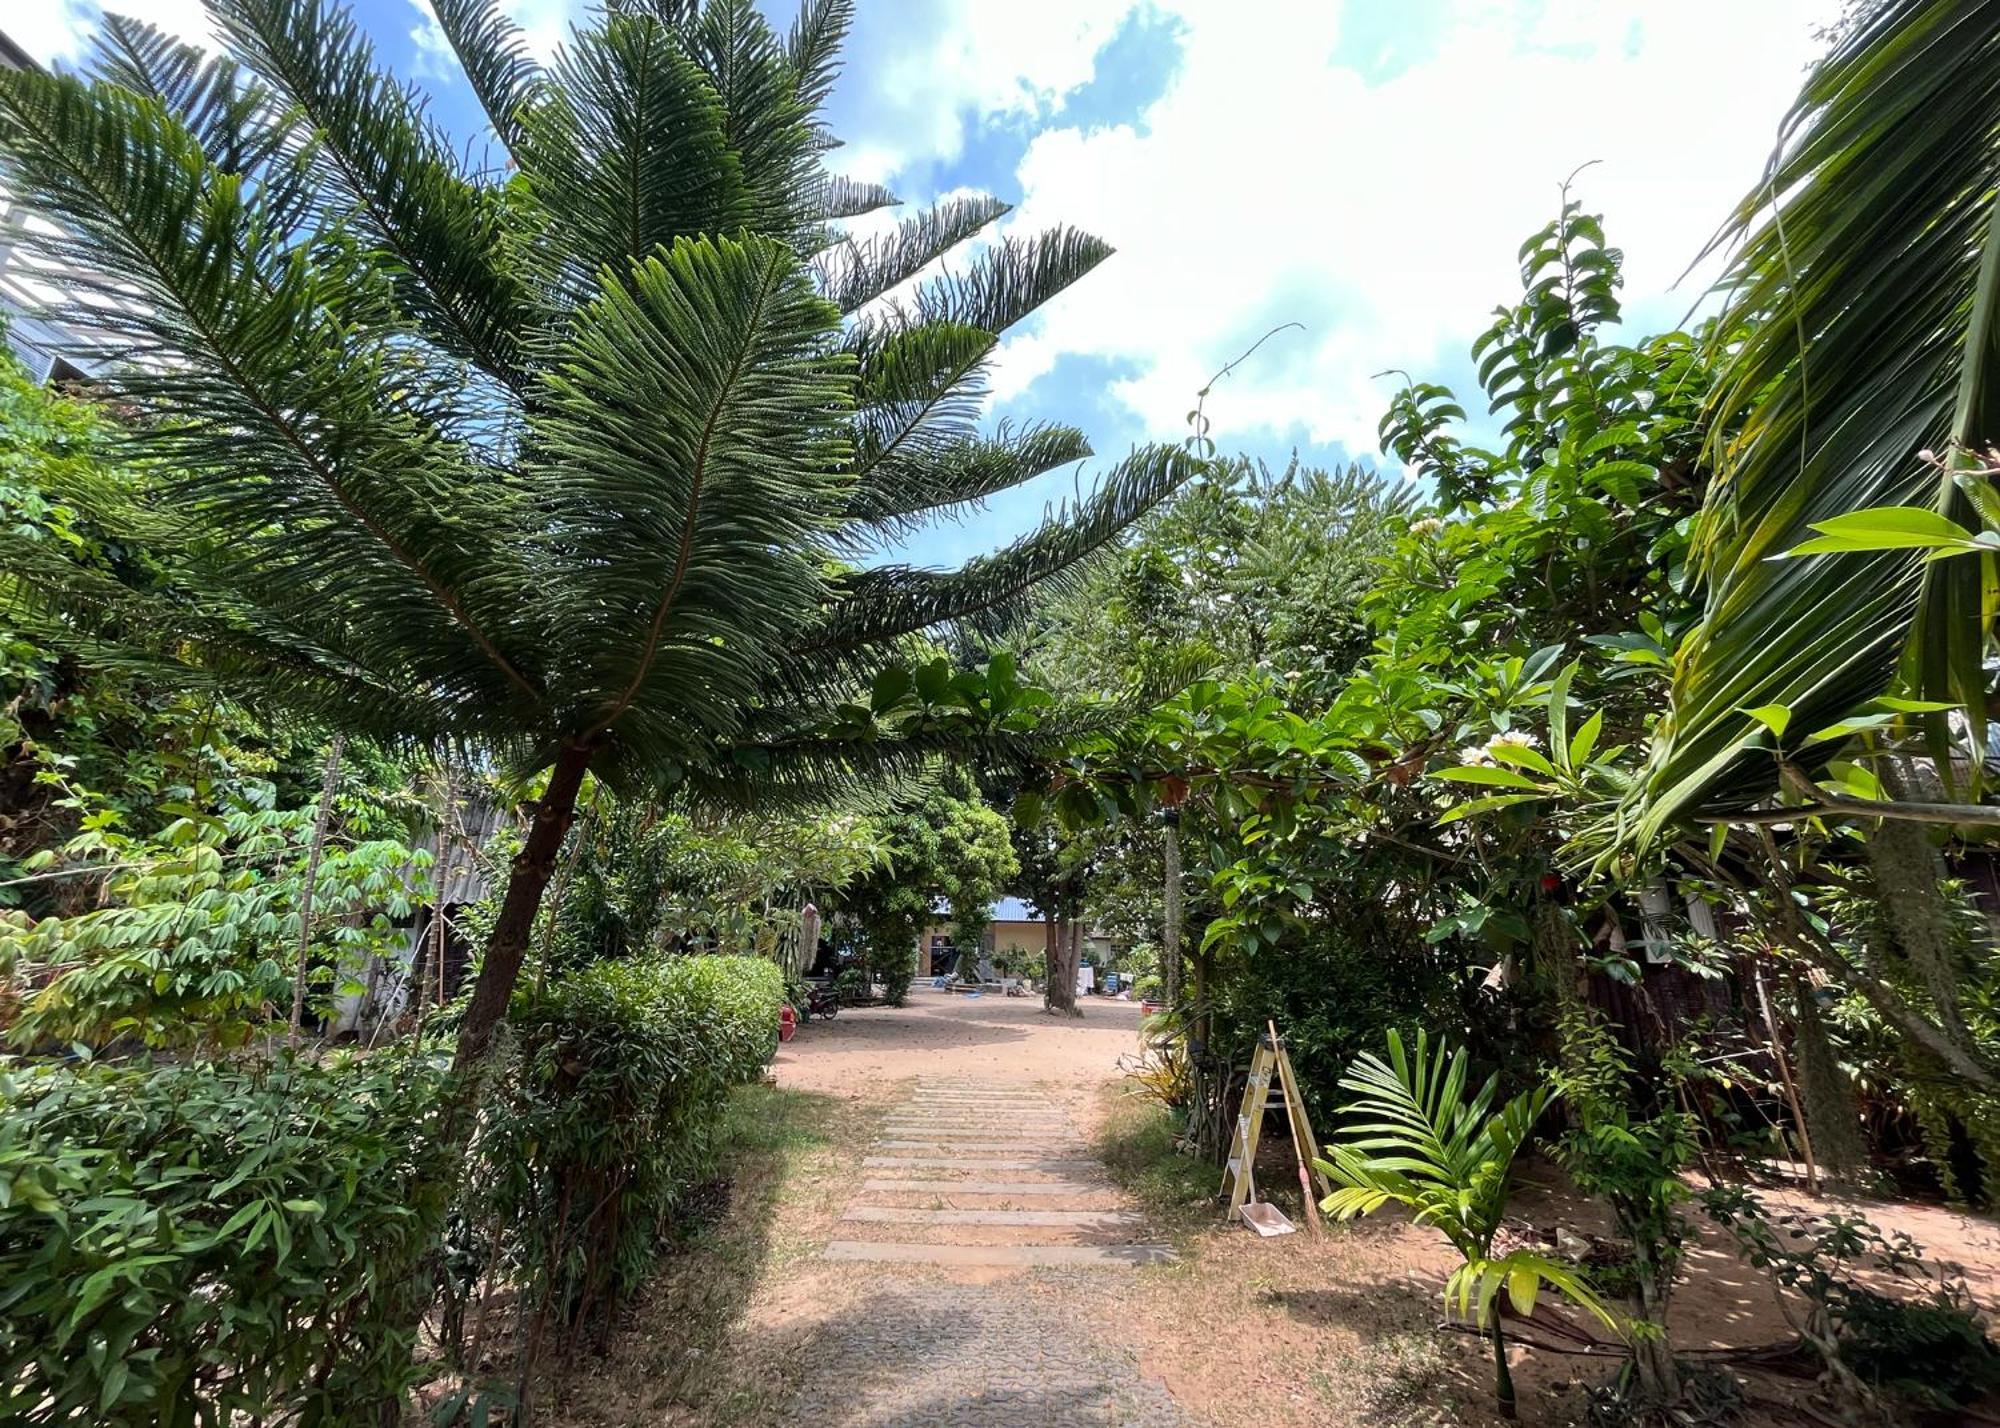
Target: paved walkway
[{"x": 993, "y": 1246}]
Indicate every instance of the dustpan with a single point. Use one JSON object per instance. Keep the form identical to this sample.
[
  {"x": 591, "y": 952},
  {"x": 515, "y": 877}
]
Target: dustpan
[{"x": 1266, "y": 1219}]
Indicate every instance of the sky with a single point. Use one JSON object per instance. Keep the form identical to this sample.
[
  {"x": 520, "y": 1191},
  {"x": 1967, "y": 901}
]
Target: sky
[{"x": 1363, "y": 168}]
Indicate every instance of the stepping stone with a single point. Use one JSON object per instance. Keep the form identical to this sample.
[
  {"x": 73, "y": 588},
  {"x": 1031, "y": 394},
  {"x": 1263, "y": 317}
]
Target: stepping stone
[
  {"x": 955, "y": 1163},
  {"x": 981, "y": 1124},
  {"x": 987, "y": 1187},
  {"x": 973, "y": 1146},
  {"x": 975, "y": 1113},
  {"x": 987, "y": 1131},
  {"x": 1072, "y": 1219},
  {"x": 1005, "y": 1256}
]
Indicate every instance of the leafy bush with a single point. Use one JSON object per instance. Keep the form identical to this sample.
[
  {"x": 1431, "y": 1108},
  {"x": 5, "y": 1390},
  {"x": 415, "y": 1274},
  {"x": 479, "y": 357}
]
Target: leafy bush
[
  {"x": 854, "y": 985},
  {"x": 205, "y": 1243},
  {"x": 196, "y": 933},
  {"x": 609, "y": 1117}
]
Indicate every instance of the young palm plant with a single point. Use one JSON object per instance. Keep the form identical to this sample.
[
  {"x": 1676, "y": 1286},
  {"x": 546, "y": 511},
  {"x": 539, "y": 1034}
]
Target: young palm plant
[
  {"x": 588, "y": 454},
  {"x": 1415, "y": 1138}
]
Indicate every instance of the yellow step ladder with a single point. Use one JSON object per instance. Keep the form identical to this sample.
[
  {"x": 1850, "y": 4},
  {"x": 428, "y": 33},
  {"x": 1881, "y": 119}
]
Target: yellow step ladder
[{"x": 1271, "y": 1087}]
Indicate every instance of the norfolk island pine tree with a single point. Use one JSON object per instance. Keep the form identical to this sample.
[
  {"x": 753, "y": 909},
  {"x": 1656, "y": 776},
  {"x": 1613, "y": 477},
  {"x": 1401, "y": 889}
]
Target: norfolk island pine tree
[{"x": 572, "y": 456}]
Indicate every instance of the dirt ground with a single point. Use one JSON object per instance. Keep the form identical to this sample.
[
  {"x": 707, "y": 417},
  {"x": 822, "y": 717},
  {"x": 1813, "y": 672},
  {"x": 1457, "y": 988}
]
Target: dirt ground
[
  {"x": 866, "y": 1052},
  {"x": 1282, "y": 1333}
]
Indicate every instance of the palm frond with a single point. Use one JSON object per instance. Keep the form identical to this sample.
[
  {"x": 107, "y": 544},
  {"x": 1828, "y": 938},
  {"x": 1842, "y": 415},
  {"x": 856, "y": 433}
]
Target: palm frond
[
  {"x": 1865, "y": 301},
  {"x": 181, "y": 637},
  {"x": 304, "y": 439},
  {"x": 1005, "y": 283},
  {"x": 1474, "y": 1285},
  {"x": 897, "y": 495},
  {"x": 848, "y": 198},
  {"x": 765, "y": 117},
  {"x": 232, "y": 118},
  {"x": 917, "y": 390},
  {"x": 812, "y": 49}
]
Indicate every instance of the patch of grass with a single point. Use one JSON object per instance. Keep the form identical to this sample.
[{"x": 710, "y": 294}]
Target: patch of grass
[
  {"x": 676, "y": 1355},
  {"x": 1178, "y": 1192},
  {"x": 1405, "y": 1375}
]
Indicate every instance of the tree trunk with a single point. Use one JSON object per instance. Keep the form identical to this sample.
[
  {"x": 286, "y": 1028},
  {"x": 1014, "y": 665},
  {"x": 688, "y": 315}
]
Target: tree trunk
[
  {"x": 1908, "y": 872},
  {"x": 1785, "y": 1080},
  {"x": 533, "y": 866},
  {"x": 1173, "y": 913},
  {"x": 327, "y": 780},
  {"x": 1060, "y": 999},
  {"x": 1832, "y": 1120},
  {"x": 1821, "y": 953},
  {"x": 1652, "y": 1354}
]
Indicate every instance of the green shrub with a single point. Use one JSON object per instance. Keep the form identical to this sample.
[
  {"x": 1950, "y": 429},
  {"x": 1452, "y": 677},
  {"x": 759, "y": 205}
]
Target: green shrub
[
  {"x": 855, "y": 985},
  {"x": 609, "y": 1116},
  {"x": 209, "y": 1243}
]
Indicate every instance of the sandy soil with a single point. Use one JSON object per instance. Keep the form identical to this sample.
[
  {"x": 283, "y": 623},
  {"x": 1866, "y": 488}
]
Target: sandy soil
[{"x": 865, "y": 1052}]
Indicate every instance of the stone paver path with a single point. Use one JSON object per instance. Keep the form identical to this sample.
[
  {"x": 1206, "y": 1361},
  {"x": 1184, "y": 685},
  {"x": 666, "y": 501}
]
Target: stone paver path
[{"x": 993, "y": 1246}]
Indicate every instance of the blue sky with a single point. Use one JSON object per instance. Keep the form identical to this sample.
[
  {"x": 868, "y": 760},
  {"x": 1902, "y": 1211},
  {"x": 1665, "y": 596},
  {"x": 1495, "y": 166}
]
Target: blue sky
[{"x": 1365, "y": 168}]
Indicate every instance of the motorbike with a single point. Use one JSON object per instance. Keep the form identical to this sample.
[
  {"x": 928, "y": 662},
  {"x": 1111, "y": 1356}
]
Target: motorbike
[{"x": 821, "y": 1002}]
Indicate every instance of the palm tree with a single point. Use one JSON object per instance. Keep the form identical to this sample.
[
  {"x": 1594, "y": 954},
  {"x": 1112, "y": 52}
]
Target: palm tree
[
  {"x": 1864, "y": 313},
  {"x": 588, "y": 454},
  {"x": 1416, "y": 1138}
]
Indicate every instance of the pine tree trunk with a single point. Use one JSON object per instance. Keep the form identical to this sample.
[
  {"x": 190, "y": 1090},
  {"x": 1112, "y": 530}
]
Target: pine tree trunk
[{"x": 533, "y": 866}]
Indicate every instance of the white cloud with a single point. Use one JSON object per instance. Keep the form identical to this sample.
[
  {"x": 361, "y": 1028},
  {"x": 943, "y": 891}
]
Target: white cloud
[
  {"x": 52, "y": 30},
  {"x": 939, "y": 68},
  {"x": 1269, "y": 182},
  {"x": 432, "y": 58}
]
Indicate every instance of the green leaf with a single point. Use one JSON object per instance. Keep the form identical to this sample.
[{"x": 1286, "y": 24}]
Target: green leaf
[
  {"x": 892, "y": 686},
  {"x": 1586, "y": 740},
  {"x": 1774, "y": 717},
  {"x": 1489, "y": 775},
  {"x": 1487, "y": 805},
  {"x": 1522, "y": 756},
  {"x": 1887, "y": 528},
  {"x": 1524, "y": 1281},
  {"x": 1559, "y": 706},
  {"x": 1917, "y": 706}
]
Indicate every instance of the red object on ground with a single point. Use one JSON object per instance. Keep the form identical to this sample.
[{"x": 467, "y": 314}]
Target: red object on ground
[{"x": 788, "y": 1022}]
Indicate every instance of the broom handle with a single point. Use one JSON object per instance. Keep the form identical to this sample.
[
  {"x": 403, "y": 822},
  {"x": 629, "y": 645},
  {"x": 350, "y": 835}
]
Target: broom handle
[{"x": 1292, "y": 1120}]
